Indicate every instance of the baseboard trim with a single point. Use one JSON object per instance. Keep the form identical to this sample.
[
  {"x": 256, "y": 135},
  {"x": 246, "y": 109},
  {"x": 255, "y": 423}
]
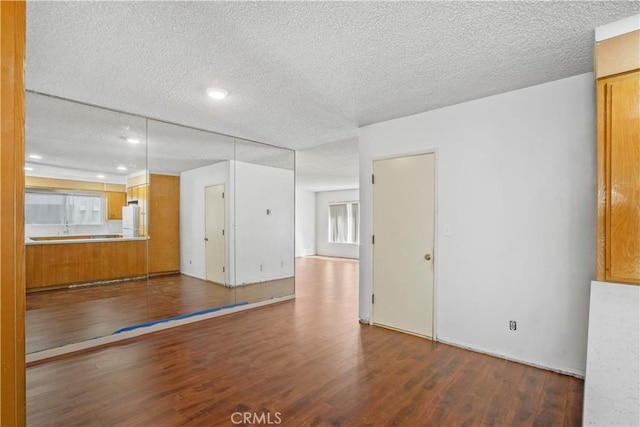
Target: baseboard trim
[
  {"x": 513, "y": 359},
  {"x": 109, "y": 339}
]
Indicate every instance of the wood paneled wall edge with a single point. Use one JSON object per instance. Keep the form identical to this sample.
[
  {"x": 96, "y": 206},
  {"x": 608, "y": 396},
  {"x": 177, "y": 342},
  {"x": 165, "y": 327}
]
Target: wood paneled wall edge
[{"x": 12, "y": 292}]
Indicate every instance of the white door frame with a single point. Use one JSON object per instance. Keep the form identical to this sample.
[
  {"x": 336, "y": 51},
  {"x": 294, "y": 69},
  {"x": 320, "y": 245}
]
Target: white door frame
[{"x": 436, "y": 253}]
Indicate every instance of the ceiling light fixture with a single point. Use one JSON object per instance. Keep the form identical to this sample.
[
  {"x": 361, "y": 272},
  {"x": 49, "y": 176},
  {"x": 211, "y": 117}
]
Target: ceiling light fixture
[
  {"x": 35, "y": 156},
  {"x": 100, "y": 176},
  {"x": 122, "y": 168},
  {"x": 133, "y": 140},
  {"x": 27, "y": 168},
  {"x": 217, "y": 94}
]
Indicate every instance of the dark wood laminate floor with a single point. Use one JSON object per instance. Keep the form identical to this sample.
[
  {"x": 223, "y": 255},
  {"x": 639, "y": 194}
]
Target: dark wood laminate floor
[
  {"x": 308, "y": 362},
  {"x": 59, "y": 317}
]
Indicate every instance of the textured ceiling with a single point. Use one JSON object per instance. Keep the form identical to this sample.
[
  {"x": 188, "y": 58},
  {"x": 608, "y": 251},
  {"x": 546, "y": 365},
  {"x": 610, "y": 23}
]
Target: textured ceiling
[
  {"x": 332, "y": 166},
  {"x": 301, "y": 74},
  {"x": 77, "y": 141}
]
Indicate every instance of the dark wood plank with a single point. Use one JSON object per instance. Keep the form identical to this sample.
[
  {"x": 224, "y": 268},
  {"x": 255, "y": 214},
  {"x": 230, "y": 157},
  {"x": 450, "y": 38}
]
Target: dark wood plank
[
  {"x": 573, "y": 407},
  {"x": 67, "y": 316},
  {"x": 308, "y": 359}
]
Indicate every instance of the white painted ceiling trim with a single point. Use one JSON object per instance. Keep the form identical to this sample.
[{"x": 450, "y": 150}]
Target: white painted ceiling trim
[{"x": 618, "y": 28}]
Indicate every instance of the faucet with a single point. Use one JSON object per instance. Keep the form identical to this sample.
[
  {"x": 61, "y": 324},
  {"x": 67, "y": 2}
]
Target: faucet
[{"x": 66, "y": 226}]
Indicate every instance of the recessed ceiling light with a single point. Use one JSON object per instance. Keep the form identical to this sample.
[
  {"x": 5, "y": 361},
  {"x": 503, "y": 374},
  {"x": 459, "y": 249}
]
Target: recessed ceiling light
[
  {"x": 35, "y": 156},
  {"x": 100, "y": 176},
  {"x": 27, "y": 168},
  {"x": 133, "y": 140},
  {"x": 217, "y": 94},
  {"x": 122, "y": 168}
]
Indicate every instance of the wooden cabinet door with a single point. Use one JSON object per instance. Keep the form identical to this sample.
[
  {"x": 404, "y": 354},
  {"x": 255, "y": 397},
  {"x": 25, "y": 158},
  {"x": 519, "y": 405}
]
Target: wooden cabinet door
[
  {"x": 164, "y": 224},
  {"x": 619, "y": 164},
  {"x": 143, "y": 202},
  {"x": 115, "y": 201}
]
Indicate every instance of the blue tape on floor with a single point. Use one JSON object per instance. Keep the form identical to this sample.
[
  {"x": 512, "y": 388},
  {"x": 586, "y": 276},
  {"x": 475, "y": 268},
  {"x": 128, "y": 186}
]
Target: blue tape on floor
[{"x": 183, "y": 316}]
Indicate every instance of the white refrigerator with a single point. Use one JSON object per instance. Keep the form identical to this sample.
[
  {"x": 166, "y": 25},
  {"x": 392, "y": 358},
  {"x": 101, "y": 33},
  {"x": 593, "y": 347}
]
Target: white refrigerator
[{"x": 130, "y": 221}]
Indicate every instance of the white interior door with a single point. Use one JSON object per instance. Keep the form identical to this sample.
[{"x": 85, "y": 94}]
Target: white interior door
[
  {"x": 403, "y": 229},
  {"x": 215, "y": 247}
]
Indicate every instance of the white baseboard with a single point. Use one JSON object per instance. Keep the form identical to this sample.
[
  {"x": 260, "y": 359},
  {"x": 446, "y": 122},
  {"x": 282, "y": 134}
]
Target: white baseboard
[
  {"x": 577, "y": 374},
  {"x": 96, "y": 342}
]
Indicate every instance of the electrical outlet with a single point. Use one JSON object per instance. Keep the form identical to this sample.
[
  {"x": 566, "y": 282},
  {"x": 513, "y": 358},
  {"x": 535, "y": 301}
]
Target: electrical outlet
[{"x": 512, "y": 325}]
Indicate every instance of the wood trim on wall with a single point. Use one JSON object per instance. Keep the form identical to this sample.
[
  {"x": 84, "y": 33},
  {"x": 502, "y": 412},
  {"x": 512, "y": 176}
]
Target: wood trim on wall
[
  {"x": 71, "y": 184},
  {"x": 618, "y": 55},
  {"x": 12, "y": 284},
  {"x": 602, "y": 187}
]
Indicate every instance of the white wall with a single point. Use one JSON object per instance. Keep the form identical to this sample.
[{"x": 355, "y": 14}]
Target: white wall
[
  {"x": 323, "y": 198},
  {"x": 612, "y": 383},
  {"x": 259, "y": 246},
  {"x": 516, "y": 187},
  {"x": 264, "y": 243},
  {"x": 305, "y": 223},
  {"x": 192, "y": 225}
]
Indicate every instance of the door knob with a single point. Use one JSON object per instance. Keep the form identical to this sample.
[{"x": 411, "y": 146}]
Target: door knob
[{"x": 427, "y": 257}]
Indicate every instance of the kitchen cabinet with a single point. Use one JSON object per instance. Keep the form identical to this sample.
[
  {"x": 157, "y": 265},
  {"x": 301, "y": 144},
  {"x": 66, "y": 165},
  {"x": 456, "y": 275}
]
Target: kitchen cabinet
[
  {"x": 164, "y": 223},
  {"x": 115, "y": 201},
  {"x": 61, "y": 264},
  {"x": 618, "y": 104}
]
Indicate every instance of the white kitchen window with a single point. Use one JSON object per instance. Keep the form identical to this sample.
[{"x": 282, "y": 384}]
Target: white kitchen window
[
  {"x": 59, "y": 207},
  {"x": 344, "y": 224}
]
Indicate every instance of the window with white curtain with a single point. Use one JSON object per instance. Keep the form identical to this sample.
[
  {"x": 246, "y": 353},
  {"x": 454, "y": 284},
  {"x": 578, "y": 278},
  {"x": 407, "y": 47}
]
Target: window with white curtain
[
  {"x": 57, "y": 207},
  {"x": 344, "y": 222}
]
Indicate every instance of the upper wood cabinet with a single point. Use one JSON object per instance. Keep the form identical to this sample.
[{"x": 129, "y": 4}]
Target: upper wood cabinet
[
  {"x": 618, "y": 246},
  {"x": 115, "y": 202}
]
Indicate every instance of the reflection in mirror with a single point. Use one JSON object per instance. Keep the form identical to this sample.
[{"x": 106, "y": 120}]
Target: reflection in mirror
[
  {"x": 85, "y": 226},
  {"x": 264, "y": 221},
  {"x": 131, "y": 221},
  {"x": 189, "y": 221}
]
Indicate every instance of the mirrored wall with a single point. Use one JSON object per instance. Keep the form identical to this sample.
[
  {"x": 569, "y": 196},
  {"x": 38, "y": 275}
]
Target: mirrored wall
[{"x": 131, "y": 221}]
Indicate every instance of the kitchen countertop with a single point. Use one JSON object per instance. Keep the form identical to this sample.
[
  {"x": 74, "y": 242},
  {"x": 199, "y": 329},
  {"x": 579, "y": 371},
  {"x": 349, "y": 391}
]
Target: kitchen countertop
[{"x": 74, "y": 239}]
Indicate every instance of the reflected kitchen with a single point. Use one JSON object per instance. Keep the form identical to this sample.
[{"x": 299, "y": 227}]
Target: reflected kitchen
[
  {"x": 131, "y": 221},
  {"x": 72, "y": 223}
]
